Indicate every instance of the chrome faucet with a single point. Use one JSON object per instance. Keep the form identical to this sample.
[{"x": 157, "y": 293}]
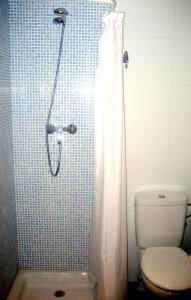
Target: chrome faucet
[{"x": 72, "y": 129}]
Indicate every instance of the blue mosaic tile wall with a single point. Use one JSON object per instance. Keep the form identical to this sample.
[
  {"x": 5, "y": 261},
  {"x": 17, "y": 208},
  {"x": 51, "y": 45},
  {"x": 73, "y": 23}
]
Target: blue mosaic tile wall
[
  {"x": 53, "y": 214},
  {"x": 8, "y": 239}
]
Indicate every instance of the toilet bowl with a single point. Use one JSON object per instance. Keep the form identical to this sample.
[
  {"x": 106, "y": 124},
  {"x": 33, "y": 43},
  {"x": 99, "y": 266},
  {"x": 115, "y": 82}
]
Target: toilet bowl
[
  {"x": 160, "y": 218},
  {"x": 166, "y": 271}
]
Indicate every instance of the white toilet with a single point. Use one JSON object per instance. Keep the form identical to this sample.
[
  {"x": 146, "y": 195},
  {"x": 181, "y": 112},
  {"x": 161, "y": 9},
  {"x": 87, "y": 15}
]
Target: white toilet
[{"x": 160, "y": 217}]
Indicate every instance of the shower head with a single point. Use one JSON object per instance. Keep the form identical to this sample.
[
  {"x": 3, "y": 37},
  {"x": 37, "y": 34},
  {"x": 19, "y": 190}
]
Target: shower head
[
  {"x": 61, "y": 11},
  {"x": 61, "y": 15}
]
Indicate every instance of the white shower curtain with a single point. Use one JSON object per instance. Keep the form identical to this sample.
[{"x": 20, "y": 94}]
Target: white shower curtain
[{"x": 108, "y": 257}]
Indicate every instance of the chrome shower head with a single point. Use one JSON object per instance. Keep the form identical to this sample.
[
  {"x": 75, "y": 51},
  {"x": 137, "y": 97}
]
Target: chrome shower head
[
  {"x": 61, "y": 11},
  {"x": 61, "y": 15}
]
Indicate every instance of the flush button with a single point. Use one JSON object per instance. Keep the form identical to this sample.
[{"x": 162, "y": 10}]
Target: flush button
[{"x": 161, "y": 196}]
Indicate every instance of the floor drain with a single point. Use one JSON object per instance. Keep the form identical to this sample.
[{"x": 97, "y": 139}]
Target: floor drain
[{"x": 59, "y": 293}]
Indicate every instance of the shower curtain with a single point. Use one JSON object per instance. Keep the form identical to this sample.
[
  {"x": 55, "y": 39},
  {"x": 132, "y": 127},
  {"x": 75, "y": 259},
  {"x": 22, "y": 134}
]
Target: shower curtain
[{"x": 108, "y": 257}]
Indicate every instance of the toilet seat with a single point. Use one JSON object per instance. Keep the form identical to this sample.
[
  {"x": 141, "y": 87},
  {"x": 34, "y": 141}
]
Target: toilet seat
[
  {"x": 168, "y": 268},
  {"x": 158, "y": 291}
]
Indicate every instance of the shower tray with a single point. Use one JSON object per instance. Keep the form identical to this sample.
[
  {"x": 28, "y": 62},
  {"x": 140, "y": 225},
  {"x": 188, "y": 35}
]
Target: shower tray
[{"x": 45, "y": 285}]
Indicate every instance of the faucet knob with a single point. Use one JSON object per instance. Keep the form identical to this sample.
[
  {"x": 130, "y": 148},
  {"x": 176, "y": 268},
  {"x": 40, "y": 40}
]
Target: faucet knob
[
  {"x": 72, "y": 129},
  {"x": 50, "y": 128}
]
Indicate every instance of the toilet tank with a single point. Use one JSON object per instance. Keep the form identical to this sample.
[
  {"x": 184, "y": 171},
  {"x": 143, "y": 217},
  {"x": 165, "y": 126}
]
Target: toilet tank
[{"x": 160, "y": 218}]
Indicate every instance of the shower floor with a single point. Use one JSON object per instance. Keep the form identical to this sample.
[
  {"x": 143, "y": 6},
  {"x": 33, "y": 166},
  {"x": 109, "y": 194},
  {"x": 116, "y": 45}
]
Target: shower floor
[{"x": 32, "y": 285}]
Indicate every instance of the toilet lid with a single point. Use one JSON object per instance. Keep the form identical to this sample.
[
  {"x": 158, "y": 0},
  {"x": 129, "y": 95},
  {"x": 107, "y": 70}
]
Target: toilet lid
[{"x": 167, "y": 267}]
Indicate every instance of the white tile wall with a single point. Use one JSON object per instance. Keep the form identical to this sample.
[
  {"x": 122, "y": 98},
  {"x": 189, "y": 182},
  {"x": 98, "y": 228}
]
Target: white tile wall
[
  {"x": 150, "y": 60},
  {"x": 182, "y": 61},
  {"x": 179, "y": 150},
  {"x": 181, "y": 107},
  {"x": 148, "y": 106},
  {"x": 183, "y": 13},
  {"x": 158, "y": 101},
  {"x": 181, "y": 178},
  {"x": 147, "y": 149},
  {"x": 149, "y": 18}
]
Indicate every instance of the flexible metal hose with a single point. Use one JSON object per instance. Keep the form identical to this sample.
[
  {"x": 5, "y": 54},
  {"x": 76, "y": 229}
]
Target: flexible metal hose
[{"x": 50, "y": 111}]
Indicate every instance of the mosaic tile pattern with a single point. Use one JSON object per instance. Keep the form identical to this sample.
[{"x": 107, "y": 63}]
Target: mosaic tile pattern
[
  {"x": 53, "y": 214},
  {"x": 8, "y": 240}
]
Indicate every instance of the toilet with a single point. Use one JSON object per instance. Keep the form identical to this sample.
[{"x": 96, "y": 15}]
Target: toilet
[{"x": 165, "y": 269}]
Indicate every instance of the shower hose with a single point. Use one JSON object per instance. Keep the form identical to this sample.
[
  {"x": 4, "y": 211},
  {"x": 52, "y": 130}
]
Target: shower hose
[{"x": 50, "y": 112}]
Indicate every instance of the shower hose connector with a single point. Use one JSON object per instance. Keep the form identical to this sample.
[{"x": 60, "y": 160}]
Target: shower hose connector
[{"x": 72, "y": 129}]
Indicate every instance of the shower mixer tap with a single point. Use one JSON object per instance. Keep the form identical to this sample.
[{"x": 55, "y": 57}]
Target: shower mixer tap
[{"x": 72, "y": 129}]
